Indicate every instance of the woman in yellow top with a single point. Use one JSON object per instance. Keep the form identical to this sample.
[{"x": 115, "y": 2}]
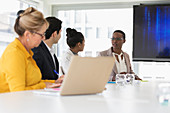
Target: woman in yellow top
[{"x": 18, "y": 70}]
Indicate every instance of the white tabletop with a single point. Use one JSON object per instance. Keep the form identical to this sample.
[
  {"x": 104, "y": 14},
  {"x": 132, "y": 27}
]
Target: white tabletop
[{"x": 129, "y": 99}]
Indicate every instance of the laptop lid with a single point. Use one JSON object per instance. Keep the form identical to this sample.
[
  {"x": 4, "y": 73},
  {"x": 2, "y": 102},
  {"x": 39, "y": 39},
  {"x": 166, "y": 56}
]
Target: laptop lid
[{"x": 87, "y": 75}]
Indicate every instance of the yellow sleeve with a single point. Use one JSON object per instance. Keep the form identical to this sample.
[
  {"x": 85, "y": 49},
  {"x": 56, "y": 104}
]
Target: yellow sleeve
[
  {"x": 39, "y": 85},
  {"x": 52, "y": 81},
  {"x": 14, "y": 68}
]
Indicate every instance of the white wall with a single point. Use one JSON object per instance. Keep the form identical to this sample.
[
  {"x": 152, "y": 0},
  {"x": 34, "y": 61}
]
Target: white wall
[
  {"x": 50, "y": 5},
  {"x": 47, "y": 8}
]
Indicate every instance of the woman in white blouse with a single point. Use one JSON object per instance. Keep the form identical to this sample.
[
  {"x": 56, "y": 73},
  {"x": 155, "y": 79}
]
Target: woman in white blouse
[
  {"x": 76, "y": 42},
  {"x": 122, "y": 60}
]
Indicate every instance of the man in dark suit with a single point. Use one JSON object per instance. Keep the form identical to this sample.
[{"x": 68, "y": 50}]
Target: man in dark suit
[{"x": 44, "y": 54}]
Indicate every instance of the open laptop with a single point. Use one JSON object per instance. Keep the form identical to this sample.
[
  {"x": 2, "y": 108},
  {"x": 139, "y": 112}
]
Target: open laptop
[{"x": 87, "y": 75}]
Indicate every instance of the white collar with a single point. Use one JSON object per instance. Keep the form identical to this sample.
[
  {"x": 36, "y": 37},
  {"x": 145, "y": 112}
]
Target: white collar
[
  {"x": 118, "y": 54},
  {"x": 50, "y": 49}
]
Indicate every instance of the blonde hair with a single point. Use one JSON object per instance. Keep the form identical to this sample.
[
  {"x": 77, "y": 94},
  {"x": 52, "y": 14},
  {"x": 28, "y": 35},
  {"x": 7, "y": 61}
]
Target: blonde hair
[{"x": 31, "y": 20}]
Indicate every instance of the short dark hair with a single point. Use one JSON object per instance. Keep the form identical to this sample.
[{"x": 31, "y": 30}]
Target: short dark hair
[
  {"x": 73, "y": 37},
  {"x": 54, "y": 25},
  {"x": 120, "y": 31}
]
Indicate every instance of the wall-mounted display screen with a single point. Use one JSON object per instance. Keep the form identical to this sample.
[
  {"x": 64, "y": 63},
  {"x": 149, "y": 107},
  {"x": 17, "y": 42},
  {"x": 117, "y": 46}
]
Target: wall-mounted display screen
[{"x": 151, "y": 33}]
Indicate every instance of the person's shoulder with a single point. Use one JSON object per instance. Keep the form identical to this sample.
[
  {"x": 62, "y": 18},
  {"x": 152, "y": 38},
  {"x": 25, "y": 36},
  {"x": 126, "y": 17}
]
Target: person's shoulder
[
  {"x": 104, "y": 53},
  {"x": 35, "y": 49},
  {"x": 38, "y": 53},
  {"x": 13, "y": 49},
  {"x": 125, "y": 53},
  {"x": 12, "y": 52},
  {"x": 67, "y": 52},
  {"x": 38, "y": 49}
]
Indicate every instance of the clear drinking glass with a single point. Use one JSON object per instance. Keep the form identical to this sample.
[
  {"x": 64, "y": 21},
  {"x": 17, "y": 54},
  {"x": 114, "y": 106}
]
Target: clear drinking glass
[
  {"x": 164, "y": 93},
  {"x": 130, "y": 78},
  {"x": 120, "y": 79}
]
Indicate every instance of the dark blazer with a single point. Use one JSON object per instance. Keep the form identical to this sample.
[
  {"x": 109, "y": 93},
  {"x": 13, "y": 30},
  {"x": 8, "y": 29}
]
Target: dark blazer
[{"x": 44, "y": 60}]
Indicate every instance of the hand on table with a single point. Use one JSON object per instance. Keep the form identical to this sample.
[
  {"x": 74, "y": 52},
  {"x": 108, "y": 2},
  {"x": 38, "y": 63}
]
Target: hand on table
[
  {"x": 137, "y": 78},
  {"x": 60, "y": 79},
  {"x": 52, "y": 85}
]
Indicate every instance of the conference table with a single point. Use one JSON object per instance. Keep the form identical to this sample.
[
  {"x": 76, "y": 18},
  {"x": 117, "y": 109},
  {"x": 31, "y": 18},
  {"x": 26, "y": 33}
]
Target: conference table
[{"x": 139, "y": 98}]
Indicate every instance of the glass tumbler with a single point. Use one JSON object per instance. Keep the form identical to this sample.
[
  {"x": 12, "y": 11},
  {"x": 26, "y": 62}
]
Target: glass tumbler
[
  {"x": 164, "y": 93},
  {"x": 130, "y": 78},
  {"x": 120, "y": 79}
]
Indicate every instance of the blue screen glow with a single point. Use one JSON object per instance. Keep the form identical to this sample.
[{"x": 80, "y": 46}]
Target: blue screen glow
[{"x": 151, "y": 33}]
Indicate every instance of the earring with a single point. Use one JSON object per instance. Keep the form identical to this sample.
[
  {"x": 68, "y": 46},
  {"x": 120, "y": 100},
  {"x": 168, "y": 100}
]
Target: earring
[{"x": 28, "y": 39}]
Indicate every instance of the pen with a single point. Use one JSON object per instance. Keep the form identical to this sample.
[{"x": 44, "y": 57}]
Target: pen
[{"x": 56, "y": 72}]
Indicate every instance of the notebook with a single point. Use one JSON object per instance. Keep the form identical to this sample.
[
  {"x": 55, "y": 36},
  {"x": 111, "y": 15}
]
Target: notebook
[{"x": 87, "y": 75}]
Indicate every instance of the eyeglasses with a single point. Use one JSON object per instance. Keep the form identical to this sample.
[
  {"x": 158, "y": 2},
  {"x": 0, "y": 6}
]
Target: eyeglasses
[
  {"x": 42, "y": 35},
  {"x": 117, "y": 39}
]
